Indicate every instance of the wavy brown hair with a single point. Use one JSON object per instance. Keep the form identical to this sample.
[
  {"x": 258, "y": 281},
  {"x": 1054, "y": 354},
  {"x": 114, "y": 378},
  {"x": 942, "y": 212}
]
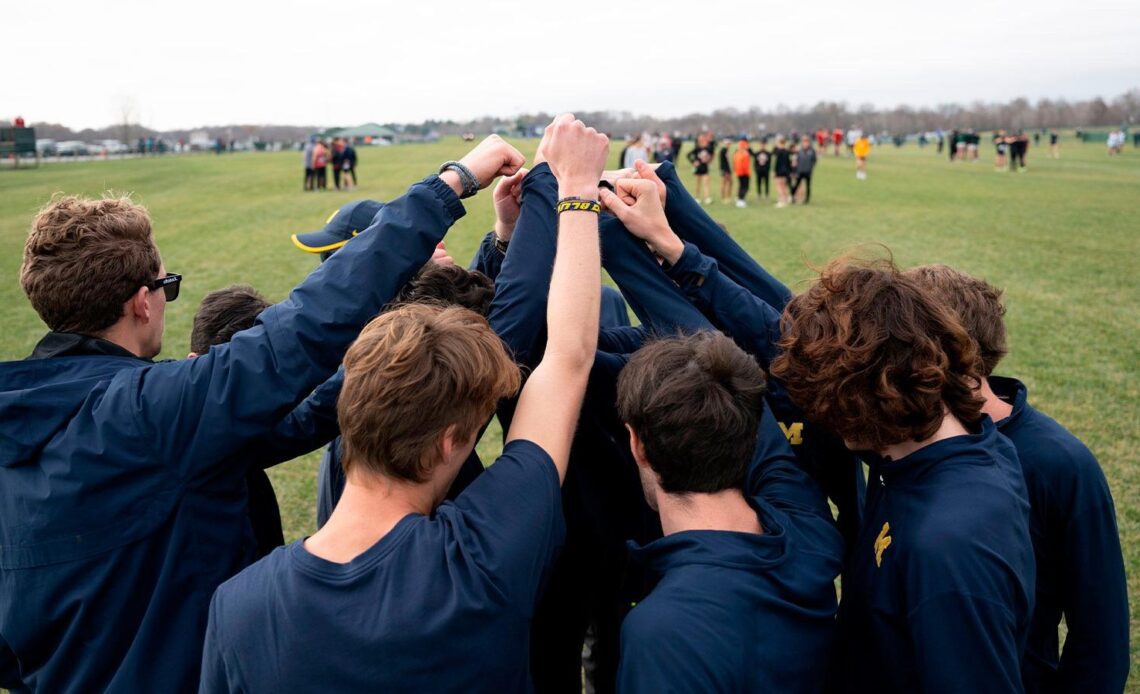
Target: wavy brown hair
[
  {"x": 874, "y": 356},
  {"x": 84, "y": 258},
  {"x": 413, "y": 372},
  {"x": 978, "y": 305}
]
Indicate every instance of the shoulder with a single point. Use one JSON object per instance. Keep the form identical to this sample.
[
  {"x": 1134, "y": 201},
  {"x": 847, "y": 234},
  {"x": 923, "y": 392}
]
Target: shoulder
[
  {"x": 237, "y": 601},
  {"x": 657, "y": 626}
]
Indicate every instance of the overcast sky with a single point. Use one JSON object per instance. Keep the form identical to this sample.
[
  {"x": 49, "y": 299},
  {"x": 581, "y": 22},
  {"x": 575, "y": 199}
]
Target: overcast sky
[{"x": 344, "y": 62}]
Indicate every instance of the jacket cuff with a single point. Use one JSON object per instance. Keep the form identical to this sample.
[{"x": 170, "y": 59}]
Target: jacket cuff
[
  {"x": 691, "y": 268},
  {"x": 446, "y": 196}
]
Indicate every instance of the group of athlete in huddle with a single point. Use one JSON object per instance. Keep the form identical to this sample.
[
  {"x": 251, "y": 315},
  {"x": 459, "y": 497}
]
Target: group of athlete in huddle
[{"x": 683, "y": 465}]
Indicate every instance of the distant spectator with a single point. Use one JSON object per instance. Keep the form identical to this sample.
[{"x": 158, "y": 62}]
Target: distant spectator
[
  {"x": 307, "y": 155},
  {"x": 861, "y": 149},
  {"x": 664, "y": 150},
  {"x": 742, "y": 167},
  {"x": 762, "y": 161},
  {"x": 348, "y": 166},
  {"x": 725, "y": 171},
  {"x": 836, "y": 139},
  {"x": 783, "y": 165},
  {"x": 700, "y": 158},
  {"x": 1054, "y": 144},
  {"x": 320, "y": 164},
  {"x": 634, "y": 152},
  {"x": 805, "y": 164},
  {"x": 337, "y": 160}
]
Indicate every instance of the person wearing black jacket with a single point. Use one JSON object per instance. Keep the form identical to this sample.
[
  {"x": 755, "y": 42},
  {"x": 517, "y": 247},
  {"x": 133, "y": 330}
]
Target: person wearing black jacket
[
  {"x": 726, "y": 176},
  {"x": 782, "y": 158},
  {"x": 762, "y": 163},
  {"x": 700, "y": 157},
  {"x": 805, "y": 163}
]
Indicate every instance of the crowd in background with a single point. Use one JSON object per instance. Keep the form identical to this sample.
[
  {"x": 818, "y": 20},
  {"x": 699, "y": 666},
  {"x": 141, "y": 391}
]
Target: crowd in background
[{"x": 318, "y": 157}]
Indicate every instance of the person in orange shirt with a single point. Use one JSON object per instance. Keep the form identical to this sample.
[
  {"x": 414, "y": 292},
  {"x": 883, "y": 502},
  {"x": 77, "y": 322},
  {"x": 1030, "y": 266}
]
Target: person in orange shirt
[
  {"x": 742, "y": 167},
  {"x": 861, "y": 149}
]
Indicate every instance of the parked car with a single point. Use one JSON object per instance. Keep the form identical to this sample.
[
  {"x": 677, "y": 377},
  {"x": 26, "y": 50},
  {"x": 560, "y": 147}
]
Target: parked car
[
  {"x": 45, "y": 147},
  {"x": 71, "y": 148},
  {"x": 114, "y": 146}
]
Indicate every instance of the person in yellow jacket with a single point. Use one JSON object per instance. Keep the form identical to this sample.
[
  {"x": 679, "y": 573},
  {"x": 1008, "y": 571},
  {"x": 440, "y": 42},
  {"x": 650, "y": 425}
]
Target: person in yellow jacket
[
  {"x": 742, "y": 167},
  {"x": 861, "y": 149}
]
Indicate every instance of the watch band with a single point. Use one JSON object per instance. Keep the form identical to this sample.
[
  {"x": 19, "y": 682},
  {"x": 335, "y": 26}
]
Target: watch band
[{"x": 466, "y": 178}]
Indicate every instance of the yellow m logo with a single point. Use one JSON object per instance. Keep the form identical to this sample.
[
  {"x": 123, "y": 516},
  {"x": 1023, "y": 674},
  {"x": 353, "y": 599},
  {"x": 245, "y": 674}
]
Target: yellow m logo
[
  {"x": 794, "y": 432},
  {"x": 881, "y": 543}
]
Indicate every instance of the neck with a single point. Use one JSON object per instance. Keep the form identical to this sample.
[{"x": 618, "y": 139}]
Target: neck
[
  {"x": 995, "y": 407},
  {"x": 369, "y": 508},
  {"x": 122, "y": 335},
  {"x": 723, "y": 510},
  {"x": 949, "y": 428}
]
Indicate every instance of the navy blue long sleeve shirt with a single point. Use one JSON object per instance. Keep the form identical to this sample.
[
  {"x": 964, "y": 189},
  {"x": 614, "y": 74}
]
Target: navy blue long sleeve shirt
[
  {"x": 120, "y": 509},
  {"x": 738, "y": 612},
  {"x": 1080, "y": 569},
  {"x": 938, "y": 594}
]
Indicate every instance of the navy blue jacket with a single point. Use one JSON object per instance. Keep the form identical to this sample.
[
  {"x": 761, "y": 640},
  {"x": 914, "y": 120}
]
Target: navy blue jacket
[
  {"x": 736, "y": 612},
  {"x": 938, "y": 594},
  {"x": 119, "y": 514},
  {"x": 745, "y": 301},
  {"x": 1080, "y": 570}
]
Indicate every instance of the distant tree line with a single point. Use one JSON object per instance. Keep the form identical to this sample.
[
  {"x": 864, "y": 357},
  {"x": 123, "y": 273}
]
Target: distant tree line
[{"x": 1019, "y": 113}]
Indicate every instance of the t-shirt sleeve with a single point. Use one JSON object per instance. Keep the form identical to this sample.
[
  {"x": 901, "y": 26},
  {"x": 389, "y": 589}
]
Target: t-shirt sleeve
[
  {"x": 214, "y": 679},
  {"x": 510, "y": 520},
  {"x": 965, "y": 643}
]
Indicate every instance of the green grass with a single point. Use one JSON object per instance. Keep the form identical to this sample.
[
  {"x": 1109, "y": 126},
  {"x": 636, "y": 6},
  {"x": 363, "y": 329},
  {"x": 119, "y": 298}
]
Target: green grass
[{"x": 1062, "y": 239}]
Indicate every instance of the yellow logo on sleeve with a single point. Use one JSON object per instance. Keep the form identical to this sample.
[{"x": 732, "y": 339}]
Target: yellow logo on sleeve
[
  {"x": 881, "y": 543},
  {"x": 794, "y": 432}
]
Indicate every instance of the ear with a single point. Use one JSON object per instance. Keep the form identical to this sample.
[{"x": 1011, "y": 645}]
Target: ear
[
  {"x": 138, "y": 306},
  {"x": 447, "y": 443},
  {"x": 637, "y": 448}
]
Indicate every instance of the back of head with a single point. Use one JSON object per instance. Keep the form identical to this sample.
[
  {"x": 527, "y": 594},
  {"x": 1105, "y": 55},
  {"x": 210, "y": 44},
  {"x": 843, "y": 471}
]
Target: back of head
[
  {"x": 449, "y": 285},
  {"x": 977, "y": 304},
  {"x": 695, "y": 402},
  {"x": 224, "y": 313},
  {"x": 84, "y": 259},
  {"x": 872, "y": 355},
  {"x": 414, "y": 372}
]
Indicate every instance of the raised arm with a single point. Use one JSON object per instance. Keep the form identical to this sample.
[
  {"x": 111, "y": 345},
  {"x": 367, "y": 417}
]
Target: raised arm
[
  {"x": 240, "y": 390},
  {"x": 548, "y": 407},
  {"x": 692, "y": 223}
]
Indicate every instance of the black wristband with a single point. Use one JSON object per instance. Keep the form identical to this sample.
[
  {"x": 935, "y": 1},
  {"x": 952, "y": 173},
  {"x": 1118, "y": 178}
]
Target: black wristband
[
  {"x": 500, "y": 245},
  {"x": 466, "y": 178}
]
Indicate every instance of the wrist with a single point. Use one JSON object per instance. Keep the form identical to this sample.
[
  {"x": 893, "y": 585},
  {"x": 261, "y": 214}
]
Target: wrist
[
  {"x": 503, "y": 231},
  {"x": 669, "y": 246},
  {"x": 587, "y": 190},
  {"x": 452, "y": 180}
]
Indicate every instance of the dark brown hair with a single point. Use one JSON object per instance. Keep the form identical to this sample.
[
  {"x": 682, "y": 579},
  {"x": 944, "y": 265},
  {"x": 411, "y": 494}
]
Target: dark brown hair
[
  {"x": 84, "y": 259},
  {"x": 224, "y": 313},
  {"x": 873, "y": 356},
  {"x": 449, "y": 285},
  {"x": 695, "y": 403},
  {"x": 413, "y": 372},
  {"x": 978, "y": 305}
]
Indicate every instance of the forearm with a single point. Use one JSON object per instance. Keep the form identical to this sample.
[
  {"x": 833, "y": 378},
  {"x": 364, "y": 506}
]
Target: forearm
[
  {"x": 656, "y": 300},
  {"x": 753, "y": 324},
  {"x": 692, "y": 223},
  {"x": 519, "y": 308},
  {"x": 309, "y": 426},
  {"x": 575, "y": 290}
]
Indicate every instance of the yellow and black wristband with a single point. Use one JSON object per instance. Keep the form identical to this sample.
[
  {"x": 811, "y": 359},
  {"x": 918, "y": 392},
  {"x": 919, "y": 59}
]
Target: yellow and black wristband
[{"x": 578, "y": 205}]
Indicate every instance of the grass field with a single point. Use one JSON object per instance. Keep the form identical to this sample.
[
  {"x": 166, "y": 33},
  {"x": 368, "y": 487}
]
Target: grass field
[{"x": 1063, "y": 240}]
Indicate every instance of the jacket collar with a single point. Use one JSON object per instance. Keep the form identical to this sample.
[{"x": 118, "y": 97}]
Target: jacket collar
[
  {"x": 75, "y": 345},
  {"x": 971, "y": 448},
  {"x": 1013, "y": 392}
]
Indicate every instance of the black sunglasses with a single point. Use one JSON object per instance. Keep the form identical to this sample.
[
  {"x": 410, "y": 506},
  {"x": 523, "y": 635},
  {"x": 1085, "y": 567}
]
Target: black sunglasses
[{"x": 170, "y": 285}]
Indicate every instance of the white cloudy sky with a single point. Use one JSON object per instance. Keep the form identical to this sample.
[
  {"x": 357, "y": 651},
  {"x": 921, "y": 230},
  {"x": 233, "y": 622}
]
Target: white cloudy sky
[{"x": 347, "y": 61}]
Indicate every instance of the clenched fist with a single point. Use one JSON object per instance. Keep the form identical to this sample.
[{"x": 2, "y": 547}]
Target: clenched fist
[
  {"x": 491, "y": 158},
  {"x": 637, "y": 204},
  {"x": 576, "y": 155}
]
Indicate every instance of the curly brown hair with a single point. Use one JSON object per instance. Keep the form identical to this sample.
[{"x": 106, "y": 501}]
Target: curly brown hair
[
  {"x": 84, "y": 258},
  {"x": 978, "y": 305},
  {"x": 875, "y": 357}
]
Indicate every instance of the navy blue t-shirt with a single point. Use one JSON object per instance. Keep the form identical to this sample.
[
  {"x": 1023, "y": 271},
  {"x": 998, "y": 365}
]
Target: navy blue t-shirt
[
  {"x": 1080, "y": 570},
  {"x": 440, "y": 603},
  {"x": 938, "y": 593},
  {"x": 741, "y": 612}
]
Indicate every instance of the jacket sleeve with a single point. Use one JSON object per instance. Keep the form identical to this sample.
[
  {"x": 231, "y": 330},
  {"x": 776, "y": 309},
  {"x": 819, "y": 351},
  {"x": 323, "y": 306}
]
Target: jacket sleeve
[
  {"x": 197, "y": 411},
  {"x": 309, "y": 426},
  {"x": 488, "y": 259},
  {"x": 657, "y": 302},
  {"x": 518, "y": 311},
  {"x": 965, "y": 643},
  {"x": 1094, "y": 588},
  {"x": 624, "y": 340},
  {"x": 692, "y": 223},
  {"x": 752, "y": 323},
  {"x": 776, "y": 476}
]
